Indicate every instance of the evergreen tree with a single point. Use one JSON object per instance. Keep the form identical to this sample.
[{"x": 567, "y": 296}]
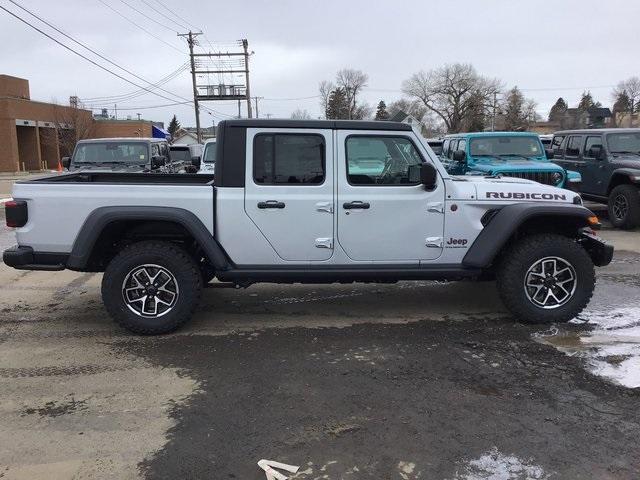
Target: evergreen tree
[
  {"x": 557, "y": 112},
  {"x": 586, "y": 101},
  {"x": 174, "y": 126},
  {"x": 337, "y": 105},
  {"x": 381, "y": 112},
  {"x": 514, "y": 110}
]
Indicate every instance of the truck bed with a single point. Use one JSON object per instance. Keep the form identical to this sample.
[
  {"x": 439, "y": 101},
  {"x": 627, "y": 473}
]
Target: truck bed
[{"x": 59, "y": 205}]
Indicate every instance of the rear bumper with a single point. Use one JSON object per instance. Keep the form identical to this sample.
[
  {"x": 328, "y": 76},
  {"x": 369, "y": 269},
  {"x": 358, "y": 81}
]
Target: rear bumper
[
  {"x": 600, "y": 251},
  {"x": 24, "y": 258}
]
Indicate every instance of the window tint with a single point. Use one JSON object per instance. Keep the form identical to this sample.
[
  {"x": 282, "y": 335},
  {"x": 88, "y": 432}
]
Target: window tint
[
  {"x": 288, "y": 159},
  {"x": 381, "y": 160},
  {"x": 592, "y": 142},
  {"x": 573, "y": 147},
  {"x": 557, "y": 141}
]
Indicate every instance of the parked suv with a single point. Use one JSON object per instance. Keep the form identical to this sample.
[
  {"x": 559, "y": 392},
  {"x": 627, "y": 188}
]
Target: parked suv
[
  {"x": 507, "y": 154},
  {"x": 609, "y": 162},
  {"x": 121, "y": 154},
  {"x": 186, "y": 158}
]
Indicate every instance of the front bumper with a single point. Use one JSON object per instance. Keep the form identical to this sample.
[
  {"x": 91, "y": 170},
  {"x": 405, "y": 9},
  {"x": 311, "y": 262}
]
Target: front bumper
[
  {"x": 600, "y": 251},
  {"x": 24, "y": 258}
]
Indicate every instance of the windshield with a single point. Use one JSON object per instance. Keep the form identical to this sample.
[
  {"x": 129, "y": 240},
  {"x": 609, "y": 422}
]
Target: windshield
[
  {"x": 506, "y": 147},
  {"x": 110, "y": 152},
  {"x": 624, "y": 142},
  {"x": 209, "y": 153},
  {"x": 180, "y": 155}
]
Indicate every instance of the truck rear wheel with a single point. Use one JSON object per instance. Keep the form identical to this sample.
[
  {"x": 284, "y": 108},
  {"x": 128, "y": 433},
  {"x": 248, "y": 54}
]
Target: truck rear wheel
[
  {"x": 624, "y": 206},
  {"x": 151, "y": 287},
  {"x": 546, "y": 278}
]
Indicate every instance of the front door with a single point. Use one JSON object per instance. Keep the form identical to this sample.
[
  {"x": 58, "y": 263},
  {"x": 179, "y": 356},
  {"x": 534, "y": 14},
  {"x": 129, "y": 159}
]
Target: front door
[
  {"x": 593, "y": 170},
  {"x": 289, "y": 191},
  {"x": 384, "y": 214}
]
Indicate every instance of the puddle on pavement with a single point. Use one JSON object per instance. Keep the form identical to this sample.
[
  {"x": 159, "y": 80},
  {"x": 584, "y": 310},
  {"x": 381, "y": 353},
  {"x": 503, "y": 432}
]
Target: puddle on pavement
[{"x": 609, "y": 345}]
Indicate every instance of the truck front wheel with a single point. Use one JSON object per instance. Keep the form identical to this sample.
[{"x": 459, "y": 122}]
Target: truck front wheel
[
  {"x": 624, "y": 207},
  {"x": 546, "y": 278},
  {"x": 151, "y": 287}
]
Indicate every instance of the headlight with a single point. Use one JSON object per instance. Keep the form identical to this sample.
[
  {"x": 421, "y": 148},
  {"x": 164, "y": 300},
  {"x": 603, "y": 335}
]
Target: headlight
[{"x": 557, "y": 177}]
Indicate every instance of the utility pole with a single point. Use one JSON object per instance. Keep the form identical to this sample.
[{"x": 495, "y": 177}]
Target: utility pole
[
  {"x": 191, "y": 41},
  {"x": 115, "y": 111},
  {"x": 239, "y": 110},
  {"x": 493, "y": 118},
  {"x": 257, "y": 111},
  {"x": 245, "y": 46}
]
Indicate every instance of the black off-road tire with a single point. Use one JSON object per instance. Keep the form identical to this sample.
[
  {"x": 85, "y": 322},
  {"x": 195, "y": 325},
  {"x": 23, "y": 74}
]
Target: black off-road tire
[
  {"x": 515, "y": 264},
  {"x": 631, "y": 195},
  {"x": 169, "y": 256}
]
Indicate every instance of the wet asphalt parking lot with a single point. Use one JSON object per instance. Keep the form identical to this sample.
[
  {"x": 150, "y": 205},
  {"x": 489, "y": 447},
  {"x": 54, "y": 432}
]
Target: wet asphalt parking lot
[{"x": 422, "y": 380}]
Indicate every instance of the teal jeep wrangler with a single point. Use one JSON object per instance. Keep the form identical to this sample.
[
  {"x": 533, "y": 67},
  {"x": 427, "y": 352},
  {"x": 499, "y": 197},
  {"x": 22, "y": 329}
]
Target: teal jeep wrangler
[{"x": 508, "y": 154}]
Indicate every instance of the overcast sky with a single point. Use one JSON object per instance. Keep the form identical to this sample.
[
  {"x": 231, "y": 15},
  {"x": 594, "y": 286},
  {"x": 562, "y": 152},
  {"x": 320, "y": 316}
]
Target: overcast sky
[{"x": 548, "y": 49}]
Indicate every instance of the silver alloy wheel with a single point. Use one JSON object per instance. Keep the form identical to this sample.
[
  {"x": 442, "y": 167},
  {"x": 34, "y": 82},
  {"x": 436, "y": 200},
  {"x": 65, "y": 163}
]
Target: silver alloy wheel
[
  {"x": 150, "y": 291},
  {"x": 550, "y": 282},
  {"x": 620, "y": 207}
]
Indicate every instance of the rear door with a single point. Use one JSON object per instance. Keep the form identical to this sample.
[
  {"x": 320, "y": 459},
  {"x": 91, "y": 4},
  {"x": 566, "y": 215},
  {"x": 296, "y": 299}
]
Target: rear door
[
  {"x": 289, "y": 191},
  {"x": 573, "y": 154},
  {"x": 383, "y": 213}
]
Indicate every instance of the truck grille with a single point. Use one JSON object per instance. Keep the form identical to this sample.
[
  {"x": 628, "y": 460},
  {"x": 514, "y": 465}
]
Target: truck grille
[{"x": 540, "y": 177}]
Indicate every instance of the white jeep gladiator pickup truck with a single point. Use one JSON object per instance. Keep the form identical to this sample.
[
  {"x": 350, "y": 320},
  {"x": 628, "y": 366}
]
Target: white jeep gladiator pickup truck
[{"x": 307, "y": 201}]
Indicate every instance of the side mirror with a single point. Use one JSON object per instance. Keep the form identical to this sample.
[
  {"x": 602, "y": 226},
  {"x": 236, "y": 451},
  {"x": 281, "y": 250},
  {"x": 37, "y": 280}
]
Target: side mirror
[
  {"x": 459, "y": 156},
  {"x": 549, "y": 153},
  {"x": 157, "y": 161},
  {"x": 196, "y": 161},
  {"x": 66, "y": 162},
  {"x": 428, "y": 175},
  {"x": 595, "y": 152}
]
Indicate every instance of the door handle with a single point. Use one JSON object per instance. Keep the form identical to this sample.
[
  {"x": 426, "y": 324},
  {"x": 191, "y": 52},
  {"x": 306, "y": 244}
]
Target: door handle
[
  {"x": 271, "y": 204},
  {"x": 355, "y": 204}
]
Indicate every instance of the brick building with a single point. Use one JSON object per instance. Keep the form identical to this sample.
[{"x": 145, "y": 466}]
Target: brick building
[{"x": 35, "y": 135}]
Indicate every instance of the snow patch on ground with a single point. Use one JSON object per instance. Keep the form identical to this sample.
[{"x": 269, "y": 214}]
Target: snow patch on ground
[
  {"x": 611, "y": 350},
  {"x": 494, "y": 465}
]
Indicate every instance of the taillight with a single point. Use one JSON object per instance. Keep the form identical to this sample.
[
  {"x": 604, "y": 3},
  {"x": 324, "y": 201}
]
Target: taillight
[{"x": 16, "y": 213}]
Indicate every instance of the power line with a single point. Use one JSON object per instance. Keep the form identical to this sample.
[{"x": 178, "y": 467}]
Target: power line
[
  {"x": 92, "y": 50},
  {"x": 140, "y": 27},
  {"x": 176, "y": 15},
  {"x": 150, "y": 5},
  {"x": 147, "y": 16},
  {"x": 102, "y": 67}
]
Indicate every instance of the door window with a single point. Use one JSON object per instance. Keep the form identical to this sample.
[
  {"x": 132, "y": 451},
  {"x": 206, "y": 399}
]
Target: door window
[
  {"x": 556, "y": 143},
  {"x": 380, "y": 160},
  {"x": 452, "y": 148},
  {"x": 592, "y": 142},
  {"x": 445, "y": 148},
  {"x": 462, "y": 145},
  {"x": 280, "y": 159},
  {"x": 574, "y": 146}
]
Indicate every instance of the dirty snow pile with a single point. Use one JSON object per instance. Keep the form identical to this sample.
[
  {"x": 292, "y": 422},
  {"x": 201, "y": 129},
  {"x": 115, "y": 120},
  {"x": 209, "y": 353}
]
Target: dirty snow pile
[{"x": 494, "y": 465}]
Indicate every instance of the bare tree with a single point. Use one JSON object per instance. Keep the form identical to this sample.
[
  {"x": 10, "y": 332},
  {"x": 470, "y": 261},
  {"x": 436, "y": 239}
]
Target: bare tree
[
  {"x": 631, "y": 88},
  {"x": 452, "y": 92},
  {"x": 411, "y": 107},
  {"x": 325, "y": 88},
  {"x": 72, "y": 124},
  {"x": 350, "y": 82},
  {"x": 299, "y": 114}
]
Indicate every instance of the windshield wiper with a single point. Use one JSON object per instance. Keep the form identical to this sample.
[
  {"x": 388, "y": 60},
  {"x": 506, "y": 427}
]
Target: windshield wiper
[
  {"x": 509, "y": 155},
  {"x": 625, "y": 152}
]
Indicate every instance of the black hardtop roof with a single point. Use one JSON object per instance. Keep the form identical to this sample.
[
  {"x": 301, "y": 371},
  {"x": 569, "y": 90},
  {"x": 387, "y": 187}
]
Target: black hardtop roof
[
  {"x": 597, "y": 131},
  {"x": 318, "y": 124}
]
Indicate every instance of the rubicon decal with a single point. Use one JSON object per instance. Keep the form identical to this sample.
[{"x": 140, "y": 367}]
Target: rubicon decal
[{"x": 526, "y": 196}]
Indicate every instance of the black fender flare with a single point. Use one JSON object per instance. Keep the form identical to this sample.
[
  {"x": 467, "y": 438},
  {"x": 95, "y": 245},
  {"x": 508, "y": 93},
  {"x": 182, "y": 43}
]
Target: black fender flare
[
  {"x": 98, "y": 219},
  {"x": 629, "y": 173},
  {"x": 508, "y": 219}
]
